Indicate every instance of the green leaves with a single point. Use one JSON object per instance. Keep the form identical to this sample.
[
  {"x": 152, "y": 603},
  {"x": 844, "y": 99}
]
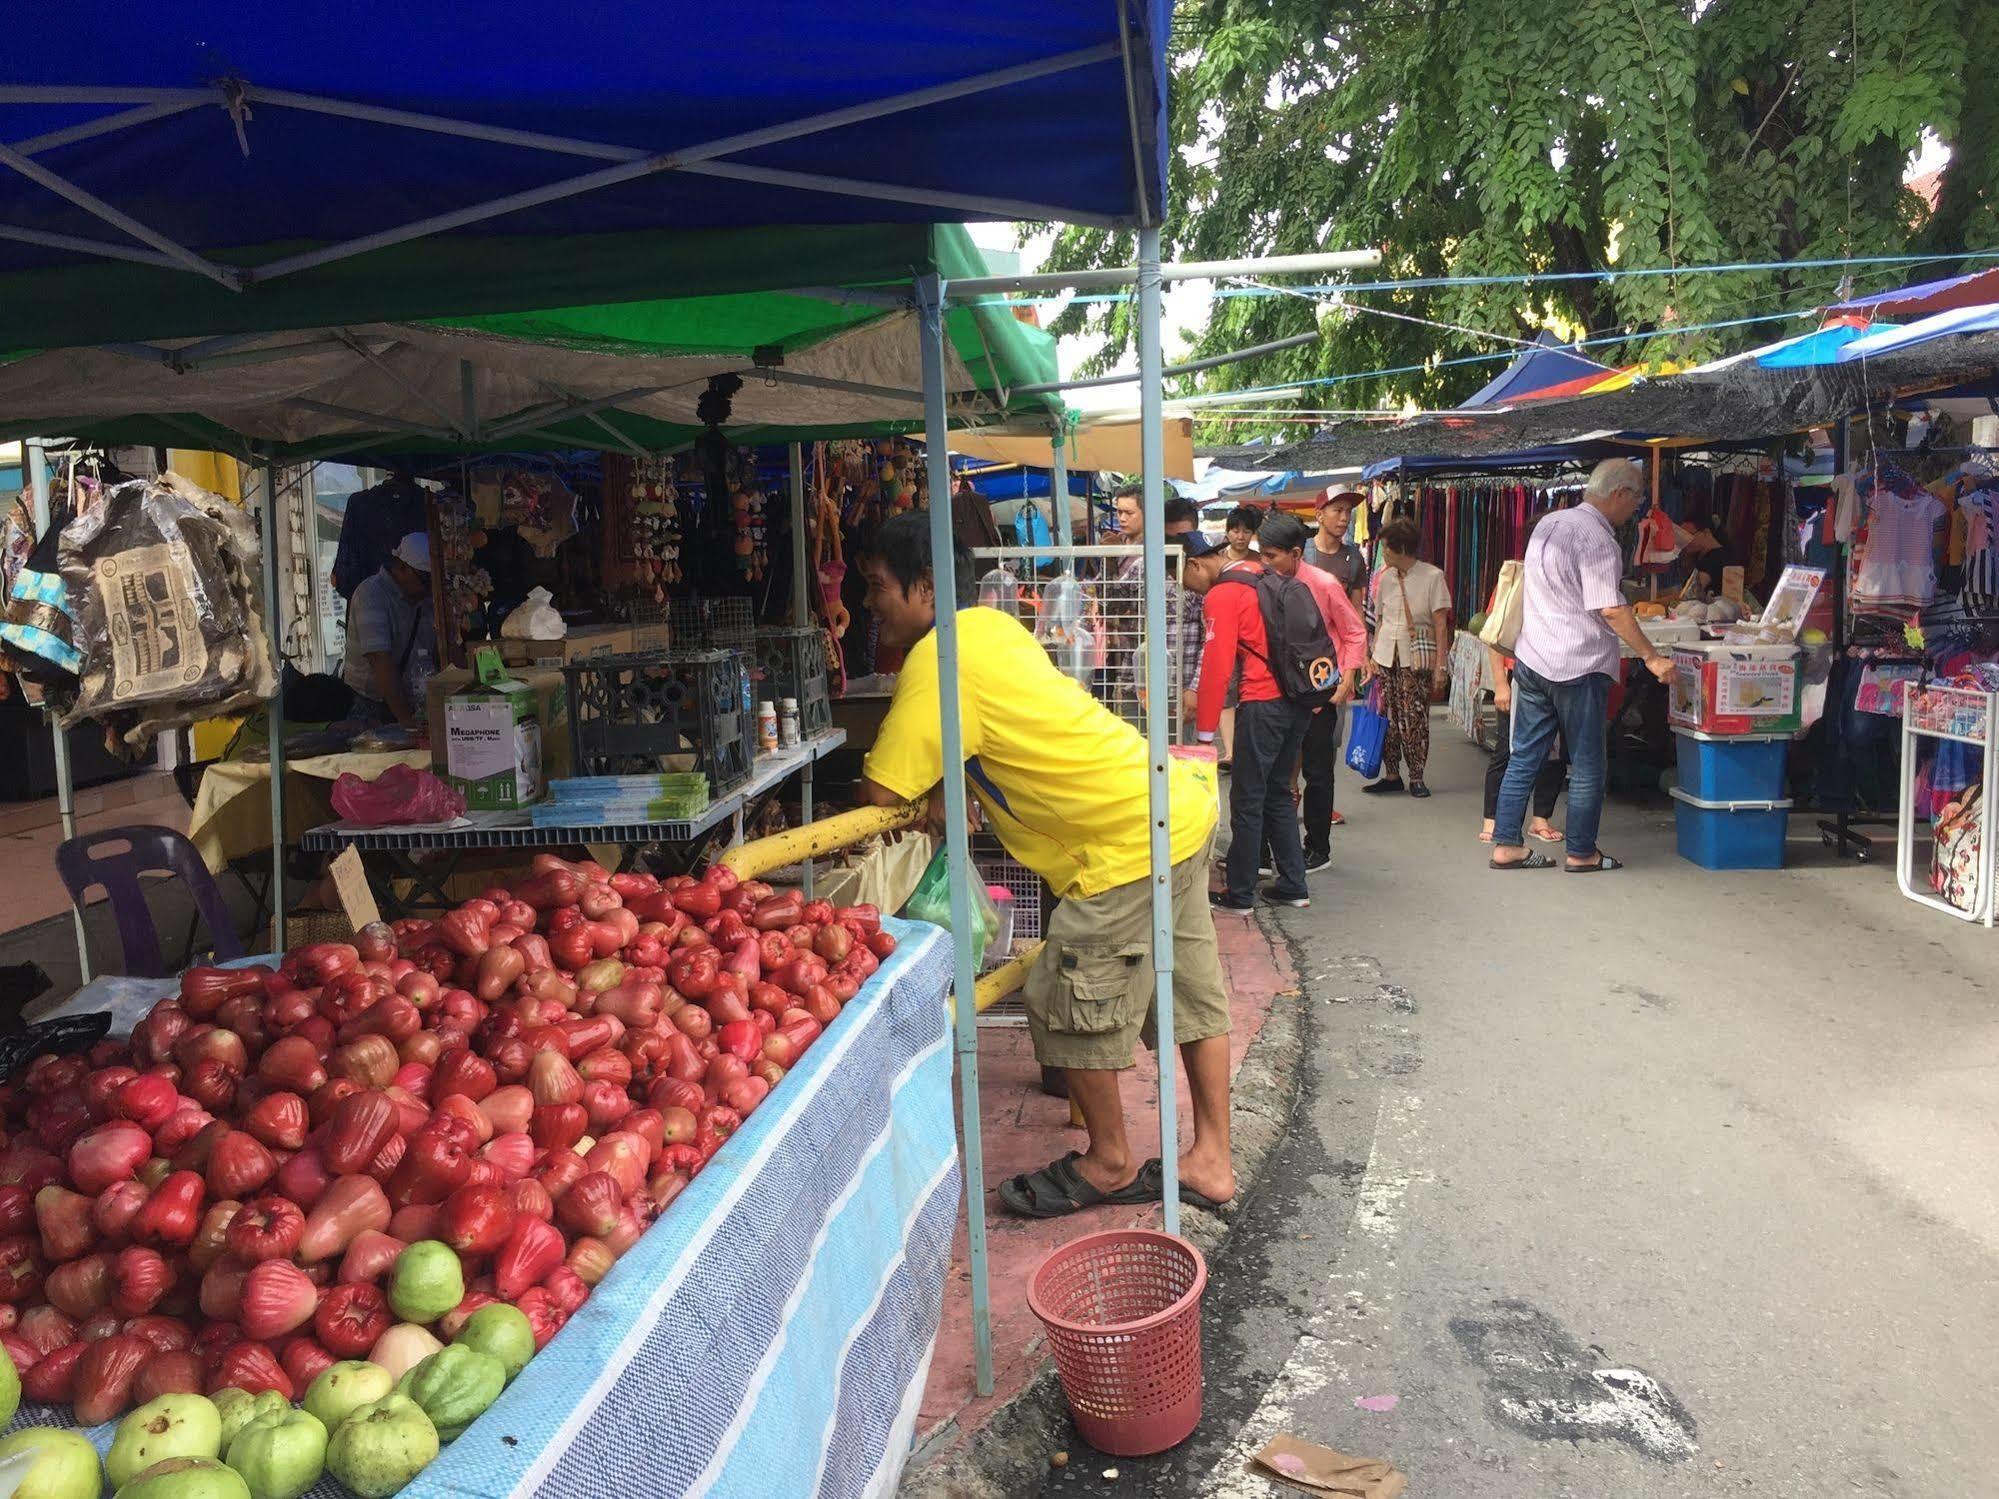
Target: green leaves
[{"x": 1541, "y": 136}]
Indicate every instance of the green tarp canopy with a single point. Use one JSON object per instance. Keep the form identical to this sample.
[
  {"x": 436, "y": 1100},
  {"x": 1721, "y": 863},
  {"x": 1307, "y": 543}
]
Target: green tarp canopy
[{"x": 814, "y": 321}]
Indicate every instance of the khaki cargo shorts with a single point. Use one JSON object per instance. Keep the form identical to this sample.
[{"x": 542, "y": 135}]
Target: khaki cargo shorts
[{"x": 1089, "y": 996}]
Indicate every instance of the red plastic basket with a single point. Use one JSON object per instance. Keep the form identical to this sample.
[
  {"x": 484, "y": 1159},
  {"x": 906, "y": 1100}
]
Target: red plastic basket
[{"x": 1123, "y": 1313}]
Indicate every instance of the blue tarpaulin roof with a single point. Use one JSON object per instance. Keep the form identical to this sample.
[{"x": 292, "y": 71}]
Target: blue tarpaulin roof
[{"x": 249, "y": 136}]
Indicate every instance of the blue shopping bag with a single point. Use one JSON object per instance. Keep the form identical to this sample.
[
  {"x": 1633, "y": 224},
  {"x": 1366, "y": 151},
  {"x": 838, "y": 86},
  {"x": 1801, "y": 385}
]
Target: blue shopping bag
[{"x": 1368, "y": 734}]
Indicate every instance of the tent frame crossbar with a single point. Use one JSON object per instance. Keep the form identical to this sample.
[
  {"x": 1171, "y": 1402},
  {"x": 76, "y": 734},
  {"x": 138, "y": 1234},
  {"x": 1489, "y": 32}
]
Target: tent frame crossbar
[{"x": 623, "y": 163}]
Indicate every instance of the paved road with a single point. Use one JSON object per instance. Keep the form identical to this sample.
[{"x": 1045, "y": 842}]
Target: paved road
[{"x": 1657, "y": 1183}]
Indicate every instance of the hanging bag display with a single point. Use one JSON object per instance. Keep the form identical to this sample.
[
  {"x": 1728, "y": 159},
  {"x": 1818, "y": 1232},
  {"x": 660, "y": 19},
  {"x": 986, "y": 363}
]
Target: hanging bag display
[
  {"x": 1509, "y": 602},
  {"x": 1368, "y": 735}
]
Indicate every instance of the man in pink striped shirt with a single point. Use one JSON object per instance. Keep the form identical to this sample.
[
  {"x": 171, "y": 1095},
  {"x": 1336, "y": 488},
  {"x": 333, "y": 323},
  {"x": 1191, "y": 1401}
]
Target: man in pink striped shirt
[{"x": 1281, "y": 542}]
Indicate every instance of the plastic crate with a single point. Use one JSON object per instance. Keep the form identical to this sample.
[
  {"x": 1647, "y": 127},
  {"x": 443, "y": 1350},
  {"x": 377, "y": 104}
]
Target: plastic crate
[
  {"x": 791, "y": 662},
  {"x": 711, "y": 624},
  {"x": 1732, "y": 769},
  {"x": 1733, "y": 834},
  {"x": 632, "y": 715}
]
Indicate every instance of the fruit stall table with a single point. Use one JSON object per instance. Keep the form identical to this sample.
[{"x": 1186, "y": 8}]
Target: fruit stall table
[
  {"x": 681, "y": 845},
  {"x": 770, "y": 1334},
  {"x": 231, "y": 818}
]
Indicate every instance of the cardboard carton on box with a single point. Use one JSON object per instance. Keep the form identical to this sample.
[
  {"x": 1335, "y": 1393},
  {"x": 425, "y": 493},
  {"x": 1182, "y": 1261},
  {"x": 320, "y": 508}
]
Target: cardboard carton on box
[
  {"x": 597, "y": 640},
  {"x": 492, "y": 739},
  {"x": 551, "y": 706}
]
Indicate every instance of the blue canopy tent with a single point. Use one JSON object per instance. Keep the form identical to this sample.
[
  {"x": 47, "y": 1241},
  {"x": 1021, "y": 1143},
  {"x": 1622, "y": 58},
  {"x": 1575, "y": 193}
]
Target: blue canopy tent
[
  {"x": 210, "y": 172},
  {"x": 1547, "y": 364}
]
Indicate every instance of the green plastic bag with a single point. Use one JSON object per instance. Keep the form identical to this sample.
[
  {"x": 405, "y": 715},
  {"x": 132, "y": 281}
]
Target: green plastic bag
[{"x": 931, "y": 901}]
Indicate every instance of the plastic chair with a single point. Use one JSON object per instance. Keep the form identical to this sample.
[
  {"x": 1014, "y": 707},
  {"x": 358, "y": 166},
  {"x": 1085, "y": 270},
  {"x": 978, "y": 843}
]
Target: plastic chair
[{"x": 97, "y": 859}]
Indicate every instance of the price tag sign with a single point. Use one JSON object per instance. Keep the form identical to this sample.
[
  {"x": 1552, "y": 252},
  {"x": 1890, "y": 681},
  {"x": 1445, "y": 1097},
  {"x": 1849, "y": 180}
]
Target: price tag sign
[{"x": 351, "y": 881}]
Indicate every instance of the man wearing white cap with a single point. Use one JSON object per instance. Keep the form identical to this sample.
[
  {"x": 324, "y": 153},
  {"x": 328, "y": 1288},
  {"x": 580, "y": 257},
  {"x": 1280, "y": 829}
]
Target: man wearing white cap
[{"x": 392, "y": 635}]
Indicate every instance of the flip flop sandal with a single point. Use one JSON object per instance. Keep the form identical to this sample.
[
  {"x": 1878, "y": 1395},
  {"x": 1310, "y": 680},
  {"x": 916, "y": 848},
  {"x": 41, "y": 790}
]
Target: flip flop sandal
[
  {"x": 1603, "y": 864},
  {"x": 1059, "y": 1189},
  {"x": 1532, "y": 861},
  {"x": 1555, "y": 837},
  {"x": 1153, "y": 1176}
]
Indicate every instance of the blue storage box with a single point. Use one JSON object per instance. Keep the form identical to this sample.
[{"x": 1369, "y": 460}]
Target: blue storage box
[
  {"x": 1732, "y": 768},
  {"x": 1731, "y": 834}
]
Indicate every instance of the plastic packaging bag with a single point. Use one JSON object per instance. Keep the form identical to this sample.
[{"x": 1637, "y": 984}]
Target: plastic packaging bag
[
  {"x": 1063, "y": 628},
  {"x": 399, "y": 796},
  {"x": 1000, "y": 589},
  {"x": 931, "y": 901},
  {"x": 1369, "y": 735},
  {"x": 535, "y": 619},
  {"x": 164, "y": 583}
]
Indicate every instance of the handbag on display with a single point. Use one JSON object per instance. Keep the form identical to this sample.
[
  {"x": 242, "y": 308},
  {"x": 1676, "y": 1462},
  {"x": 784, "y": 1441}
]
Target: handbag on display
[
  {"x": 1368, "y": 734},
  {"x": 1501, "y": 630}
]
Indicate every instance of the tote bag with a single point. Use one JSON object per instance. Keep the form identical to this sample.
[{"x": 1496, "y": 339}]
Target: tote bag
[
  {"x": 1368, "y": 735},
  {"x": 1509, "y": 596}
]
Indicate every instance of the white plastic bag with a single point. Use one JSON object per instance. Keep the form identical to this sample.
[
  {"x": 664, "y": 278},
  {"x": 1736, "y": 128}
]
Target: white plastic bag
[{"x": 535, "y": 619}]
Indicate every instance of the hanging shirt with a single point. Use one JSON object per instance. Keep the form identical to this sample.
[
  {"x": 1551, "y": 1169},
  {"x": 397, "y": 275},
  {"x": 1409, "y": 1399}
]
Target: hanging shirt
[
  {"x": 1060, "y": 778},
  {"x": 1896, "y": 568}
]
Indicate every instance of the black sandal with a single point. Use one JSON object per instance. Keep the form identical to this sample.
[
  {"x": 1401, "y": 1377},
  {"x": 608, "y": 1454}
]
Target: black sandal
[
  {"x": 1532, "y": 861},
  {"x": 1603, "y": 863},
  {"x": 1059, "y": 1189}
]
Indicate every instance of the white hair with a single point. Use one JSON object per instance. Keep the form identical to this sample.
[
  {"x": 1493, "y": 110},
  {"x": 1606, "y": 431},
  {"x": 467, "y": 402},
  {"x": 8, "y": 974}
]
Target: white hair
[{"x": 1611, "y": 475}]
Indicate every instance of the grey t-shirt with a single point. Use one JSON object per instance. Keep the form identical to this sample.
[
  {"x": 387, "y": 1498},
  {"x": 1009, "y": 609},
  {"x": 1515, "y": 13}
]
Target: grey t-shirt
[
  {"x": 1347, "y": 562},
  {"x": 379, "y": 618}
]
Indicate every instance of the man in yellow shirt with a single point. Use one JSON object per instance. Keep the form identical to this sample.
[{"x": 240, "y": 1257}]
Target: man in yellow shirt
[{"x": 1062, "y": 783}]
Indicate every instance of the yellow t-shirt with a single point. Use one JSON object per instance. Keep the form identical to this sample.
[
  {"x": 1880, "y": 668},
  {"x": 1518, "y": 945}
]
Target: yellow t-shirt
[{"x": 1062, "y": 780}]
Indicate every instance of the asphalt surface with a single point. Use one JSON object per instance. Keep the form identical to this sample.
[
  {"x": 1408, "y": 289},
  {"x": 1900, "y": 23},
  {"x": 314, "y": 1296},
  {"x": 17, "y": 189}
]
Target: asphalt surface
[{"x": 1662, "y": 1182}]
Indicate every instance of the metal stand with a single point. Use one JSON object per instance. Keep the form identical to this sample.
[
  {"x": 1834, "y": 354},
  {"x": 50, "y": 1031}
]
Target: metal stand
[
  {"x": 44, "y": 507},
  {"x": 1968, "y": 718},
  {"x": 274, "y": 628},
  {"x": 801, "y": 614}
]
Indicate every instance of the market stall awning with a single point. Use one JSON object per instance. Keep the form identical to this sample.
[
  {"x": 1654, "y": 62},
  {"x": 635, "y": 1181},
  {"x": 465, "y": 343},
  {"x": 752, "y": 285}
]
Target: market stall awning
[
  {"x": 1537, "y": 371},
  {"x": 1926, "y": 297},
  {"x": 626, "y": 374},
  {"x": 204, "y": 168},
  {"x": 1100, "y": 442},
  {"x": 1738, "y": 403}
]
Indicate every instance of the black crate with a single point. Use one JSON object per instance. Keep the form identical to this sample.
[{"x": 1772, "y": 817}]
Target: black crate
[
  {"x": 791, "y": 662},
  {"x": 627, "y": 714}
]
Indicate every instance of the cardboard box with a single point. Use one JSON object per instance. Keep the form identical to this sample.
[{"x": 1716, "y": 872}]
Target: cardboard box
[
  {"x": 551, "y": 705},
  {"x": 1736, "y": 689},
  {"x": 597, "y": 640},
  {"x": 492, "y": 739}
]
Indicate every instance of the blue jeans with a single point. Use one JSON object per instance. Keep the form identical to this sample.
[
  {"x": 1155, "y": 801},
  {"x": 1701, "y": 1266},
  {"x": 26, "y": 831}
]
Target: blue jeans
[{"x": 1542, "y": 710}]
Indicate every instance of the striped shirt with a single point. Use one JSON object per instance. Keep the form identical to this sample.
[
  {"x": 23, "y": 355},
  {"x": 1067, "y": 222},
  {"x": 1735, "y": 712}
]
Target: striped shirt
[{"x": 1573, "y": 572}]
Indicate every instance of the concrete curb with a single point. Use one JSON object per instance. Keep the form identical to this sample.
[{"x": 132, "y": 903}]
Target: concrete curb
[{"x": 1010, "y": 1452}]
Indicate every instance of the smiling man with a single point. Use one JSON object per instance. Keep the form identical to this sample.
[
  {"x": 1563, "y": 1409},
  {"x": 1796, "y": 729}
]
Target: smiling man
[{"x": 1062, "y": 782}]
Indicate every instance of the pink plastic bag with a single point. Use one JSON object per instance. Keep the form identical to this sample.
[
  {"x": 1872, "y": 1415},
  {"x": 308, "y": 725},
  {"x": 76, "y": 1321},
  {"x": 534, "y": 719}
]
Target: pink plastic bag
[{"x": 399, "y": 795}]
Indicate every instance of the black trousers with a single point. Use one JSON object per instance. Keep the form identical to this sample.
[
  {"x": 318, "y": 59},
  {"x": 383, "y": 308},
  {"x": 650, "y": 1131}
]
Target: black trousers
[
  {"x": 1268, "y": 737},
  {"x": 1320, "y": 758},
  {"x": 1547, "y": 785}
]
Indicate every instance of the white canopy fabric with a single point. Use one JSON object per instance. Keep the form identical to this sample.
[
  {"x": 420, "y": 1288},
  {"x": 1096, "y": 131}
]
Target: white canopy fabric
[{"x": 405, "y": 378}]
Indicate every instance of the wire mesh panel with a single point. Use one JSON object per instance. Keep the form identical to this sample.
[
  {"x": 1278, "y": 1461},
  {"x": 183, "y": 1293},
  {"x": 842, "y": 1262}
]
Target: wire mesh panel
[
  {"x": 1091, "y": 619},
  {"x": 702, "y": 624}
]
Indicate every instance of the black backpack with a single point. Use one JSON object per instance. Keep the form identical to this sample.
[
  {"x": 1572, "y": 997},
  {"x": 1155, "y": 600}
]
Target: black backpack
[{"x": 1302, "y": 657}]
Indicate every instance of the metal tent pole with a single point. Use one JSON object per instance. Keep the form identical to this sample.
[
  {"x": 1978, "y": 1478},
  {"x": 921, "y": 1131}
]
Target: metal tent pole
[
  {"x": 801, "y": 615},
  {"x": 274, "y": 628},
  {"x": 44, "y": 507},
  {"x": 1152, "y": 457},
  {"x": 1058, "y": 511},
  {"x": 965, "y": 1020}
]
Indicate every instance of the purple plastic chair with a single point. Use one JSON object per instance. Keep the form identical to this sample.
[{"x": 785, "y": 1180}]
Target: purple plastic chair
[{"x": 115, "y": 858}]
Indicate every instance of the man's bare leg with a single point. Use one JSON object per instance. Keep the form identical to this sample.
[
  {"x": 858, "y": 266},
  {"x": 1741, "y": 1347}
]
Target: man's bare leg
[
  {"x": 1107, "y": 1164},
  {"x": 1207, "y": 1166}
]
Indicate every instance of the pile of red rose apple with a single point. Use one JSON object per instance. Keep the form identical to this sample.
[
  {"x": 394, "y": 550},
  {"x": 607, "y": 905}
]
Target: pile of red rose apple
[{"x": 219, "y": 1202}]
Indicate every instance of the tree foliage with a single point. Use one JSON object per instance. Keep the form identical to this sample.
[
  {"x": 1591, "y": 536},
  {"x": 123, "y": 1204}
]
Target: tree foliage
[{"x": 1537, "y": 136}]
